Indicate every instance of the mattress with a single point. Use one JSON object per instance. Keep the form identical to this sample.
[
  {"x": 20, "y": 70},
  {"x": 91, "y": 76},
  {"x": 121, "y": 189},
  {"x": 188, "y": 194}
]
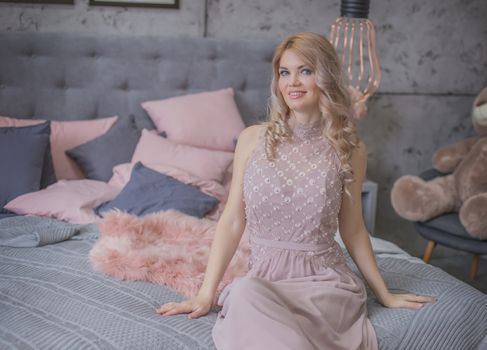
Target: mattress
[{"x": 50, "y": 298}]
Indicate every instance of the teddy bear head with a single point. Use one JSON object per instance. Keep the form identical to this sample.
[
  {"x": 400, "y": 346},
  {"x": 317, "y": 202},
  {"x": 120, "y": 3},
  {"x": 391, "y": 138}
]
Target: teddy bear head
[{"x": 479, "y": 113}]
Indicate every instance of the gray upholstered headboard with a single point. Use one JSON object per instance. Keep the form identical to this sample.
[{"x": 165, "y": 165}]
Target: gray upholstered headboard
[{"x": 78, "y": 76}]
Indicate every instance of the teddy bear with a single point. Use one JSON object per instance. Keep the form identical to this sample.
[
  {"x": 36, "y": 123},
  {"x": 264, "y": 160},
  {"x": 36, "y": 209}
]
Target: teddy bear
[{"x": 462, "y": 190}]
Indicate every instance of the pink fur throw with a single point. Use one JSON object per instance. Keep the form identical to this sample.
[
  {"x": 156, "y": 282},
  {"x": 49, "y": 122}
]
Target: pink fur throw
[{"x": 168, "y": 248}]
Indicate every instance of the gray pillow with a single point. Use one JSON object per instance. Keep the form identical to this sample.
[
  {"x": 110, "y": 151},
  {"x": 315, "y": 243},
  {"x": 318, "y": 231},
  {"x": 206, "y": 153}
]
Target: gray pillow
[
  {"x": 22, "y": 154},
  {"x": 149, "y": 191},
  {"x": 97, "y": 157},
  {"x": 48, "y": 176}
]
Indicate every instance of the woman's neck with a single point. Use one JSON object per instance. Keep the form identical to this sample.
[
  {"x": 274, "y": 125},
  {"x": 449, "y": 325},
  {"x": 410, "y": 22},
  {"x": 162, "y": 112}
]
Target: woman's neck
[{"x": 304, "y": 118}]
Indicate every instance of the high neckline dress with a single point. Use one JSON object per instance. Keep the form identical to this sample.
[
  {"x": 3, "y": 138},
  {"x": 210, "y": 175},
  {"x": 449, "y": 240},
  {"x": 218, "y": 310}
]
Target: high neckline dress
[{"x": 299, "y": 293}]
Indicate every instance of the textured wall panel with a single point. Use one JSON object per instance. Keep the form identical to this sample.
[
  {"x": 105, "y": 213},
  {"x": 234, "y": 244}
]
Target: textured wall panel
[
  {"x": 269, "y": 18},
  {"x": 436, "y": 46},
  {"x": 82, "y": 17}
]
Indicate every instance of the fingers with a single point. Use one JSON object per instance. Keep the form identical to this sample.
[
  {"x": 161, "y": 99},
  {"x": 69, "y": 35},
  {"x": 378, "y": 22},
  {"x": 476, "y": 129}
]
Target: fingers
[
  {"x": 194, "y": 314},
  {"x": 425, "y": 299},
  {"x": 197, "y": 313},
  {"x": 420, "y": 298},
  {"x": 409, "y": 300},
  {"x": 412, "y": 305},
  {"x": 195, "y": 310},
  {"x": 414, "y": 301},
  {"x": 165, "y": 307},
  {"x": 170, "y": 309}
]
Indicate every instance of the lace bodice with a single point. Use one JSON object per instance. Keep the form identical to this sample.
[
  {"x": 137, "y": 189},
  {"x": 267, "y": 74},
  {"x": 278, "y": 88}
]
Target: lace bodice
[{"x": 292, "y": 203}]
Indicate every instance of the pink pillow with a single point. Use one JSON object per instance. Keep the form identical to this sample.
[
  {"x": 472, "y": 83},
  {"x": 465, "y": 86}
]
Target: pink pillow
[
  {"x": 7, "y": 122},
  {"x": 209, "y": 119},
  {"x": 203, "y": 163},
  {"x": 72, "y": 201},
  {"x": 66, "y": 135}
]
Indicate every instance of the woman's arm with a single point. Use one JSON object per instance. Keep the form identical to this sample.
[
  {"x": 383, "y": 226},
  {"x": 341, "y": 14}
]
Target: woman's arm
[
  {"x": 356, "y": 239},
  {"x": 228, "y": 233},
  {"x": 232, "y": 222}
]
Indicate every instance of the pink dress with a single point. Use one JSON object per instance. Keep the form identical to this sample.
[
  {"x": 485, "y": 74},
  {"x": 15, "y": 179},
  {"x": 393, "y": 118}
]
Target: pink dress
[{"x": 298, "y": 294}]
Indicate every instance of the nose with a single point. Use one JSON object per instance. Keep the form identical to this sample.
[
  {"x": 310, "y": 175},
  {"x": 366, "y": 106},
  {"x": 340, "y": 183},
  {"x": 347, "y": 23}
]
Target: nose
[{"x": 294, "y": 81}]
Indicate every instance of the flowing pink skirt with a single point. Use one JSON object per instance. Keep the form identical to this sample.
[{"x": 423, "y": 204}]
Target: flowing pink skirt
[{"x": 323, "y": 311}]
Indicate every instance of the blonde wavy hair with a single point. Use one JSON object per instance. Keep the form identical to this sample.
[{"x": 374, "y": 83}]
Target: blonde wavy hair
[{"x": 334, "y": 103}]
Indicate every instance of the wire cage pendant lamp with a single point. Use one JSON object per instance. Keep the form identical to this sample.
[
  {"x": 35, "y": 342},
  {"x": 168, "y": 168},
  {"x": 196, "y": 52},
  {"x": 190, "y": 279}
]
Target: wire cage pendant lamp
[{"x": 353, "y": 36}]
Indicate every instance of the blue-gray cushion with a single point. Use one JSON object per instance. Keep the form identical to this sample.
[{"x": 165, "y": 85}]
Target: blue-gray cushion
[
  {"x": 149, "y": 191},
  {"x": 455, "y": 241},
  {"x": 97, "y": 157},
  {"x": 22, "y": 154},
  {"x": 48, "y": 176},
  {"x": 449, "y": 223}
]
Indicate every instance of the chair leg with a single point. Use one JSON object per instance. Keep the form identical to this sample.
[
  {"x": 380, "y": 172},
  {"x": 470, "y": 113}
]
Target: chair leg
[
  {"x": 474, "y": 267},
  {"x": 429, "y": 251}
]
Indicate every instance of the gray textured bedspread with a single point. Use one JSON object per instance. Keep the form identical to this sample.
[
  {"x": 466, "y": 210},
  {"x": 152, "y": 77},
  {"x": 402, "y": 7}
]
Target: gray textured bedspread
[
  {"x": 6, "y": 214},
  {"x": 51, "y": 299},
  {"x": 33, "y": 231}
]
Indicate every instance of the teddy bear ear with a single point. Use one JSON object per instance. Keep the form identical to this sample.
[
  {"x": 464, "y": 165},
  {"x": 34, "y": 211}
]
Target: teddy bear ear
[
  {"x": 481, "y": 98},
  {"x": 479, "y": 112}
]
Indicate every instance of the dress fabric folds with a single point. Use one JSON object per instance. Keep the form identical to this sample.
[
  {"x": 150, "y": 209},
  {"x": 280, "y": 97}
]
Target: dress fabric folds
[{"x": 299, "y": 293}]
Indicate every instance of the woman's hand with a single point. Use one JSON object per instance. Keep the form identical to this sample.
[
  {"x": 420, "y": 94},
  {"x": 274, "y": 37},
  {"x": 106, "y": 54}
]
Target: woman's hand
[
  {"x": 196, "y": 307},
  {"x": 411, "y": 301}
]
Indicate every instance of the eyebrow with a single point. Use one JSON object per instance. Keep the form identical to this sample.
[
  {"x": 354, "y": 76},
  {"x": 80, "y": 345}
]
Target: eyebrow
[{"x": 301, "y": 66}]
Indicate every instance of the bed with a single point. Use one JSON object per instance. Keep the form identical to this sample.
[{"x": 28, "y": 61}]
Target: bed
[{"x": 50, "y": 296}]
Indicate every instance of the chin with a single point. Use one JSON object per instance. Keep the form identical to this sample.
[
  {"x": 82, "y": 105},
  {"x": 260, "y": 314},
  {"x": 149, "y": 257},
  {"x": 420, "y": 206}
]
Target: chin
[{"x": 298, "y": 106}]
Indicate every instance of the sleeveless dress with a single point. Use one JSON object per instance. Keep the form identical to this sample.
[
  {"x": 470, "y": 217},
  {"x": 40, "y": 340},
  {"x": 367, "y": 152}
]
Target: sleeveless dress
[{"x": 298, "y": 294}]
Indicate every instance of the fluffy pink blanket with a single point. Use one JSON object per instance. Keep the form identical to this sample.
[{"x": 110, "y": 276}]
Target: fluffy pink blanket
[{"x": 168, "y": 248}]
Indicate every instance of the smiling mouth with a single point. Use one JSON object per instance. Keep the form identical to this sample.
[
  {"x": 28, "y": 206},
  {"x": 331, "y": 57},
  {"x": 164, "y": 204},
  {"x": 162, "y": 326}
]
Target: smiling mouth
[{"x": 296, "y": 94}]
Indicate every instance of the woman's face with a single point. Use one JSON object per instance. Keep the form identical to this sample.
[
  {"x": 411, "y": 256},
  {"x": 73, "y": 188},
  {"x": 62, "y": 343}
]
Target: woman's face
[{"x": 297, "y": 84}]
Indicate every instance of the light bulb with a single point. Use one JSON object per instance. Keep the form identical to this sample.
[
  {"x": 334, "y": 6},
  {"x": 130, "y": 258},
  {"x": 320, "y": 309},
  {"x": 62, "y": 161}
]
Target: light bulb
[{"x": 353, "y": 36}]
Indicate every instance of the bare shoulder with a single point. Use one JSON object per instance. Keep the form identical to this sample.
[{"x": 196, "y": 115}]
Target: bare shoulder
[{"x": 249, "y": 137}]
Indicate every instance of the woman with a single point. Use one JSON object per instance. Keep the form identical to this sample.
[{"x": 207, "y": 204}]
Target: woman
[{"x": 296, "y": 179}]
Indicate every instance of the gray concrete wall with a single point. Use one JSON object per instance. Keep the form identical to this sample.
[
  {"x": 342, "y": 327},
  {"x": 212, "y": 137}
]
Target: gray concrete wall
[
  {"x": 433, "y": 56},
  {"x": 81, "y": 17}
]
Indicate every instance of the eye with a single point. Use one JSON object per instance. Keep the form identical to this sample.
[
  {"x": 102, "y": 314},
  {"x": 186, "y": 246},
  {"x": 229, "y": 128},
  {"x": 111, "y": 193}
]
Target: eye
[
  {"x": 283, "y": 73},
  {"x": 306, "y": 71}
]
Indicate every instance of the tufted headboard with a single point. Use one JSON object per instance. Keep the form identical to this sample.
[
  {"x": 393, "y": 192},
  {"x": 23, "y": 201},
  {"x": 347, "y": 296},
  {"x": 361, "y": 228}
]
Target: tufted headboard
[{"x": 69, "y": 76}]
